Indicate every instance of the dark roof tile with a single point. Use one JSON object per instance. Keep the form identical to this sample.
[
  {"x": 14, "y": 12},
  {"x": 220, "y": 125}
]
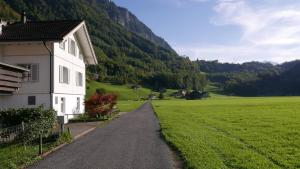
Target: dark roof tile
[{"x": 37, "y": 30}]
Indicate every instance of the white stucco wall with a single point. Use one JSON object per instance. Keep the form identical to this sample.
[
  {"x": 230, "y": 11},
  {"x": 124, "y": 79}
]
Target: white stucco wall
[{"x": 69, "y": 91}]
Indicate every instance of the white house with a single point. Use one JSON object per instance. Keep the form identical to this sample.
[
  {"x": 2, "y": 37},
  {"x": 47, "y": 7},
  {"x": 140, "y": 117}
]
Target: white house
[{"x": 56, "y": 54}]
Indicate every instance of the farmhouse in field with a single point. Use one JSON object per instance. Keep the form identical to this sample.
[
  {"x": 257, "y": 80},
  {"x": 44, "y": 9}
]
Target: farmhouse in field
[{"x": 56, "y": 54}]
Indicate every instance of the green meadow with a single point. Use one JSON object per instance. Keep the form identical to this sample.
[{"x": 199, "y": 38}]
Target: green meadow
[{"x": 234, "y": 132}]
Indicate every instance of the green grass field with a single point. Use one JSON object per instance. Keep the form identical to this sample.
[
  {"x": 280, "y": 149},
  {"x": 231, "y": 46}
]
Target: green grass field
[
  {"x": 232, "y": 132},
  {"x": 123, "y": 91}
]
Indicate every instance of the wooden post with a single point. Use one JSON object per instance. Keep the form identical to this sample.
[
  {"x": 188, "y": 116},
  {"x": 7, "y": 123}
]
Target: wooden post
[
  {"x": 62, "y": 128},
  {"x": 41, "y": 145},
  {"x": 23, "y": 135}
]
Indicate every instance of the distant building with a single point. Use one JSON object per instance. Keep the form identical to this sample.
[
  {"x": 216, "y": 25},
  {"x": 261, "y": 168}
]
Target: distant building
[{"x": 56, "y": 54}]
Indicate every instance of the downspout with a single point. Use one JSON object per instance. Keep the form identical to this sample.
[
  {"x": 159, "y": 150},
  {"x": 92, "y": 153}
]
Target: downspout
[{"x": 51, "y": 91}]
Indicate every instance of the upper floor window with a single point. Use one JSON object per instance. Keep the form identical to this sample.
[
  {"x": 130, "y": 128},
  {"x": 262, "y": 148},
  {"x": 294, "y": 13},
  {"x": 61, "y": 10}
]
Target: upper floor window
[
  {"x": 64, "y": 75},
  {"x": 72, "y": 47},
  {"x": 79, "y": 79},
  {"x": 33, "y": 74},
  {"x": 62, "y": 45}
]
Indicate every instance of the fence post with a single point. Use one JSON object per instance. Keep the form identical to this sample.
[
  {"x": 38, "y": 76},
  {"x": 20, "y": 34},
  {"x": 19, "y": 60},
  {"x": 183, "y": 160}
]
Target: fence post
[
  {"x": 41, "y": 145},
  {"x": 23, "y": 135}
]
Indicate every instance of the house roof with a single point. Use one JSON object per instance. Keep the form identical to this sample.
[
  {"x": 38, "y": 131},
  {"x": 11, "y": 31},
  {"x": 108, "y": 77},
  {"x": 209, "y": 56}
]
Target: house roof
[
  {"x": 55, "y": 31},
  {"x": 37, "y": 30}
]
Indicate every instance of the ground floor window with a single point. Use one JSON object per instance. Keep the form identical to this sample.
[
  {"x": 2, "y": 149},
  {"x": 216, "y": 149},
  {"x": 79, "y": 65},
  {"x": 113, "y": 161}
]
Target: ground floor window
[
  {"x": 63, "y": 105},
  {"x": 31, "y": 100}
]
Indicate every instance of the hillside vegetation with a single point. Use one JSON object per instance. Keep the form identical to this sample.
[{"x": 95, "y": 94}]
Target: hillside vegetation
[
  {"x": 127, "y": 50},
  {"x": 233, "y": 132},
  {"x": 254, "y": 78}
]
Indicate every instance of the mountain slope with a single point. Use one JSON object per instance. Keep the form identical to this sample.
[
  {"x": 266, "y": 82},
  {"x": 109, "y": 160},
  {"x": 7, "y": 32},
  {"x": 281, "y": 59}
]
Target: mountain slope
[
  {"x": 124, "y": 56},
  {"x": 129, "y": 21}
]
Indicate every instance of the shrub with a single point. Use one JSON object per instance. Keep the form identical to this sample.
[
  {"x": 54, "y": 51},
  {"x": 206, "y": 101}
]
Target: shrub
[
  {"x": 100, "y": 105},
  {"x": 38, "y": 121},
  {"x": 101, "y": 91},
  {"x": 161, "y": 96},
  {"x": 11, "y": 117}
]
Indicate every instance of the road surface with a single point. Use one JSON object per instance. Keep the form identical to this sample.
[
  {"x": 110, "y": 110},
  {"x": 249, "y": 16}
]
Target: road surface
[{"x": 129, "y": 142}]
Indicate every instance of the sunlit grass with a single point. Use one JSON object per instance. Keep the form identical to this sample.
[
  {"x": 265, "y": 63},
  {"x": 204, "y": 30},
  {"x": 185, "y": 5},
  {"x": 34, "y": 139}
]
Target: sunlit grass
[{"x": 233, "y": 132}]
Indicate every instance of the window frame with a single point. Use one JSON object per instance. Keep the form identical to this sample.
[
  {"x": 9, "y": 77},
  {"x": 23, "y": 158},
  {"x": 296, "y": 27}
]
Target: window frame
[
  {"x": 62, "y": 74},
  {"x": 70, "y": 48},
  {"x": 79, "y": 79}
]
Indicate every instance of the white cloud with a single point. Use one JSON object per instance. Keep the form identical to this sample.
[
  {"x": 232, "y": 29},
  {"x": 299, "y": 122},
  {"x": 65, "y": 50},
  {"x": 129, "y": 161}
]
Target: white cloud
[
  {"x": 268, "y": 32},
  {"x": 239, "y": 53}
]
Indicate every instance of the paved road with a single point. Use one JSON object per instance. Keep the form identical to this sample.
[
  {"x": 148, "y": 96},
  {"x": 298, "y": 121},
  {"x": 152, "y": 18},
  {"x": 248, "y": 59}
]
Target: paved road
[{"x": 129, "y": 142}]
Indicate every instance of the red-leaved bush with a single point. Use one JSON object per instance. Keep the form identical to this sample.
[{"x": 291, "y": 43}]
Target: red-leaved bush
[{"x": 100, "y": 104}]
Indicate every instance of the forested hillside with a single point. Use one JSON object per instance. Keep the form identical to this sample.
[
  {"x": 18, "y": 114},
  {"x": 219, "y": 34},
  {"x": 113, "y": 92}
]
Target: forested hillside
[
  {"x": 254, "y": 78},
  {"x": 128, "y": 51}
]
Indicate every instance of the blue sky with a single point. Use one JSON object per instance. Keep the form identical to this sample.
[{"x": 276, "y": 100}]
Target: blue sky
[{"x": 225, "y": 30}]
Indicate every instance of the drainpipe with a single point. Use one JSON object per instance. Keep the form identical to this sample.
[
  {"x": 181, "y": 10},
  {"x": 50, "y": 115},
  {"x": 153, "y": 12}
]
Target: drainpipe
[{"x": 51, "y": 91}]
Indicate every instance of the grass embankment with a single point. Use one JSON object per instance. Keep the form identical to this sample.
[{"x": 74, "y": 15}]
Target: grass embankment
[
  {"x": 124, "y": 92},
  {"x": 129, "y": 99},
  {"x": 232, "y": 132}
]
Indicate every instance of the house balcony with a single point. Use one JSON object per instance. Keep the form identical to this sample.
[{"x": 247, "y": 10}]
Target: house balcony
[{"x": 10, "y": 78}]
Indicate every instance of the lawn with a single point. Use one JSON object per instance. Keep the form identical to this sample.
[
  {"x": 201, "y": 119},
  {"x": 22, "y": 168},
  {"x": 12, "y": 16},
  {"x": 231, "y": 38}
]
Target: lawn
[
  {"x": 123, "y": 91},
  {"x": 232, "y": 132},
  {"x": 128, "y": 106}
]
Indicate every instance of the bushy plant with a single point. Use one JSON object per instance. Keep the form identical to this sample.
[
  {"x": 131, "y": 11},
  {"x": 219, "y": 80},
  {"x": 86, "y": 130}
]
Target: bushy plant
[
  {"x": 38, "y": 121},
  {"x": 100, "y": 105},
  {"x": 161, "y": 96},
  {"x": 12, "y": 117}
]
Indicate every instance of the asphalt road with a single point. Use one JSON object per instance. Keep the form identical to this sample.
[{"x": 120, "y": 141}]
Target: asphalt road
[{"x": 129, "y": 142}]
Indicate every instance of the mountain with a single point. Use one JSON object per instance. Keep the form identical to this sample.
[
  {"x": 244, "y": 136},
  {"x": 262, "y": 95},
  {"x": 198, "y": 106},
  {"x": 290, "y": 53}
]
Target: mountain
[
  {"x": 127, "y": 50},
  {"x": 129, "y": 21}
]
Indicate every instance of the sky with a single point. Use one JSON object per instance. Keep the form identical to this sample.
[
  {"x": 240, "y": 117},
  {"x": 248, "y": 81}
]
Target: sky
[{"x": 232, "y": 31}]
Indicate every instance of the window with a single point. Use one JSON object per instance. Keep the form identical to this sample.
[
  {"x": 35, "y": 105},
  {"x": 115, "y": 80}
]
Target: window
[
  {"x": 72, "y": 47},
  {"x": 33, "y": 74},
  {"x": 63, "y": 105},
  {"x": 79, "y": 79},
  {"x": 31, "y": 100},
  {"x": 62, "y": 45},
  {"x": 64, "y": 74},
  {"x": 78, "y": 104}
]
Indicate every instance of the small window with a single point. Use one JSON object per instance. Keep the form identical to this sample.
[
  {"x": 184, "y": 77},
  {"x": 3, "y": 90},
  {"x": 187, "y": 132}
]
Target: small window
[
  {"x": 62, "y": 45},
  {"x": 33, "y": 74},
  {"x": 79, "y": 79},
  {"x": 31, "y": 100},
  {"x": 72, "y": 47},
  {"x": 63, "y": 105},
  {"x": 64, "y": 75}
]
